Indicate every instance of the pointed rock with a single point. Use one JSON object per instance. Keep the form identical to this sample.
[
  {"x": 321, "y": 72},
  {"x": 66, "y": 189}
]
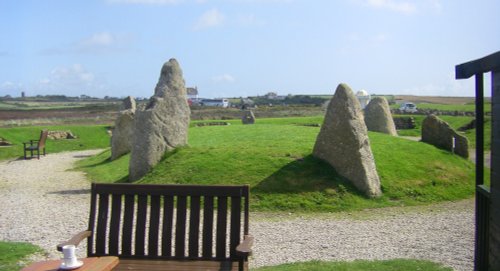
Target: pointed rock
[
  {"x": 248, "y": 117},
  {"x": 163, "y": 124},
  {"x": 343, "y": 142},
  {"x": 129, "y": 103},
  {"x": 121, "y": 139},
  {"x": 378, "y": 117}
]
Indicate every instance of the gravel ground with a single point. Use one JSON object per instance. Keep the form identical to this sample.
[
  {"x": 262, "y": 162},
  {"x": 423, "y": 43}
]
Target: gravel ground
[{"x": 43, "y": 203}]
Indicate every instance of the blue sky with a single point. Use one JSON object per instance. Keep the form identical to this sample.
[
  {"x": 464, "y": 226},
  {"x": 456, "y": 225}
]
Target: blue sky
[{"x": 233, "y": 48}]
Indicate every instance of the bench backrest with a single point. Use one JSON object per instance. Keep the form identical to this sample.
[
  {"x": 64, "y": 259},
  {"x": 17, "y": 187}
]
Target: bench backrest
[
  {"x": 43, "y": 138},
  {"x": 167, "y": 221}
]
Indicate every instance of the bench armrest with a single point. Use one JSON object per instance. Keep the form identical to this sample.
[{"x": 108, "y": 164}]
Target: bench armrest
[
  {"x": 244, "y": 249},
  {"x": 75, "y": 240},
  {"x": 31, "y": 141}
]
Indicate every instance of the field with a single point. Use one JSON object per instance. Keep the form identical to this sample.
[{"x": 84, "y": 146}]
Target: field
[{"x": 273, "y": 156}]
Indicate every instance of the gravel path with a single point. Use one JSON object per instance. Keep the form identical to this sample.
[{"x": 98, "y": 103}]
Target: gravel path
[{"x": 43, "y": 203}]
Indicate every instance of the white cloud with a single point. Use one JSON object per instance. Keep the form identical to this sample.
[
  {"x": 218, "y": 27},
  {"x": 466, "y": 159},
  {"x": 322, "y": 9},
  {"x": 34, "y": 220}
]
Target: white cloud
[
  {"x": 224, "y": 78},
  {"x": 209, "y": 19},
  {"x": 70, "y": 80},
  {"x": 99, "y": 39},
  {"x": 405, "y": 7},
  {"x": 449, "y": 86},
  {"x": 103, "y": 42},
  {"x": 146, "y": 2},
  {"x": 250, "y": 20},
  {"x": 97, "y": 43},
  {"x": 9, "y": 86}
]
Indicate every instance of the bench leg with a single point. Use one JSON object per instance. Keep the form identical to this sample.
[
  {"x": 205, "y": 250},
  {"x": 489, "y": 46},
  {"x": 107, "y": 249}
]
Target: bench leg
[{"x": 24, "y": 153}]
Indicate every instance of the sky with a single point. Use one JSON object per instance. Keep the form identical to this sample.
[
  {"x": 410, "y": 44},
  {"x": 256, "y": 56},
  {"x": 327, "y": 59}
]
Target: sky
[{"x": 240, "y": 48}]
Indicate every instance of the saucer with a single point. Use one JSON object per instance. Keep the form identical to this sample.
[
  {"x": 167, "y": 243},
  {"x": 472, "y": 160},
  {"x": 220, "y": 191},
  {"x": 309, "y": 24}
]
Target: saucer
[{"x": 63, "y": 266}]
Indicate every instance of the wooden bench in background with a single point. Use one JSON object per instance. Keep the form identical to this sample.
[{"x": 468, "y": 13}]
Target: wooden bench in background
[
  {"x": 169, "y": 227},
  {"x": 36, "y": 145}
]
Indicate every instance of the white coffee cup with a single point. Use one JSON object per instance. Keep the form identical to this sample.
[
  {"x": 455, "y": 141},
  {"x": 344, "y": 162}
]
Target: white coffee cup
[{"x": 69, "y": 255}]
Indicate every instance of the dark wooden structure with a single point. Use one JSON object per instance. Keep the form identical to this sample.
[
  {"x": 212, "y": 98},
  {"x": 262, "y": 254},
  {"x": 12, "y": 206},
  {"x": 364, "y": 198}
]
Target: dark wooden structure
[
  {"x": 169, "y": 227},
  {"x": 36, "y": 145},
  {"x": 487, "y": 248}
]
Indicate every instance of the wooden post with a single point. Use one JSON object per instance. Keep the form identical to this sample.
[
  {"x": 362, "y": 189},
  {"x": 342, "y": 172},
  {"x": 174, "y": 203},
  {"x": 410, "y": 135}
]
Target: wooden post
[{"x": 494, "y": 257}]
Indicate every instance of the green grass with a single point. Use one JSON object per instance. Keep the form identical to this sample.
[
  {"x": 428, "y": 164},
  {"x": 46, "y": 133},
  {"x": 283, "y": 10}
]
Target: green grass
[
  {"x": 360, "y": 265},
  {"x": 12, "y": 254},
  {"x": 89, "y": 137},
  {"x": 274, "y": 158},
  {"x": 470, "y": 107},
  {"x": 455, "y": 122}
]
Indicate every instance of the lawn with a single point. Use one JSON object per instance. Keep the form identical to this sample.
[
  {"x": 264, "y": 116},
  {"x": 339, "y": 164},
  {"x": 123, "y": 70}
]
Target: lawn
[
  {"x": 12, "y": 254},
  {"x": 455, "y": 122},
  {"x": 89, "y": 137},
  {"x": 274, "y": 158},
  {"x": 360, "y": 265}
]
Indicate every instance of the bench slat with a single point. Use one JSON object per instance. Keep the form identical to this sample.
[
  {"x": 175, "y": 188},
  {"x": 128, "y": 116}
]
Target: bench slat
[
  {"x": 154, "y": 226},
  {"x": 92, "y": 219},
  {"x": 194, "y": 227},
  {"x": 140, "y": 229},
  {"x": 128, "y": 224},
  {"x": 235, "y": 225},
  {"x": 168, "y": 217},
  {"x": 180, "y": 229},
  {"x": 220, "y": 249},
  {"x": 102, "y": 224},
  {"x": 114, "y": 229},
  {"x": 208, "y": 225}
]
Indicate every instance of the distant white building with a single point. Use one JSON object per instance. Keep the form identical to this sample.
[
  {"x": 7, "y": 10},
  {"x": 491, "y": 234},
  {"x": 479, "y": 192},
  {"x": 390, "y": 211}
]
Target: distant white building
[
  {"x": 363, "y": 98},
  {"x": 192, "y": 93}
]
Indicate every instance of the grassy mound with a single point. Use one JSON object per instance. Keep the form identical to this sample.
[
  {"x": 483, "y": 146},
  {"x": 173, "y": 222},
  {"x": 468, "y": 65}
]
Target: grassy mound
[{"x": 274, "y": 158}]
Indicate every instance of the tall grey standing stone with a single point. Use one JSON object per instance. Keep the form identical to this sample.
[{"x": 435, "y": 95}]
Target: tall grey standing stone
[
  {"x": 121, "y": 139},
  {"x": 378, "y": 117},
  {"x": 343, "y": 142},
  {"x": 163, "y": 124},
  {"x": 439, "y": 133},
  {"x": 248, "y": 117}
]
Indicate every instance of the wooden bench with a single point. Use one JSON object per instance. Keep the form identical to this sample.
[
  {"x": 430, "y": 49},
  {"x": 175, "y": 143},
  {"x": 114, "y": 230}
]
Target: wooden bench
[
  {"x": 169, "y": 227},
  {"x": 36, "y": 145}
]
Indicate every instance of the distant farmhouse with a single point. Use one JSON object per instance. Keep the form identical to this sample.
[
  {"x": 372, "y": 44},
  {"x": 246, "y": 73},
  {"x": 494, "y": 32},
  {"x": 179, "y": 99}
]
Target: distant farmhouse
[{"x": 274, "y": 96}]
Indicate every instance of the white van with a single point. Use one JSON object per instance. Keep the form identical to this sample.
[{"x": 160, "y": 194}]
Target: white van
[{"x": 408, "y": 107}]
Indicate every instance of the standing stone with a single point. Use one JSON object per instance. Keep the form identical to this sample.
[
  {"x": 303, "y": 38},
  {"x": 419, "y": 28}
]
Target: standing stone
[
  {"x": 439, "y": 133},
  {"x": 121, "y": 139},
  {"x": 378, "y": 117},
  {"x": 163, "y": 124},
  {"x": 129, "y": 103},
  {"x": 248, "y": 117},
  {"x": 343, "y": 142}
]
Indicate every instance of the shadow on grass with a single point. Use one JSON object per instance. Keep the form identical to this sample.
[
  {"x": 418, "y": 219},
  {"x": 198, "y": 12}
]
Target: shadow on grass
[{"x": 308, "y": 174}]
